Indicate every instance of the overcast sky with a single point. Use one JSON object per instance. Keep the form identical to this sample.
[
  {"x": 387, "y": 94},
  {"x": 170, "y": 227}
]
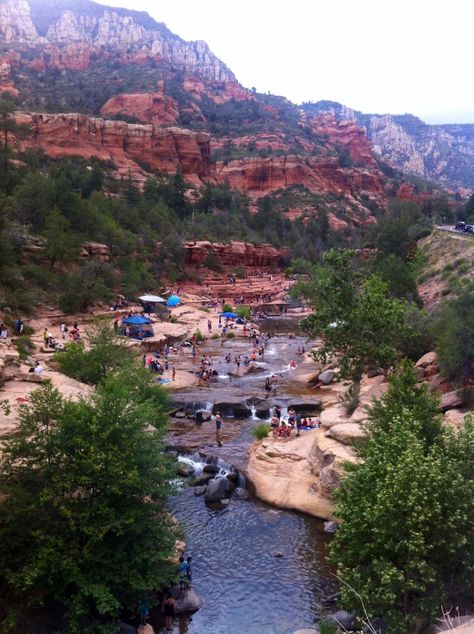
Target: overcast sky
[{"x": 378, "y": 56}]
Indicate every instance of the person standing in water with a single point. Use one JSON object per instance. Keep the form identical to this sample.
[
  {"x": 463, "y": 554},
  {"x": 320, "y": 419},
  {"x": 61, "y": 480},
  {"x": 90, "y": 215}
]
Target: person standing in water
[{"x": 218, "y": 429}]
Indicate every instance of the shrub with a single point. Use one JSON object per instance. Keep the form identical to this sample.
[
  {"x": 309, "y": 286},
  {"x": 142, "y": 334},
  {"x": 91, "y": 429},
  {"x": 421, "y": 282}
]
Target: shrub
[
  {"x": 199, "y": 336},
  {"x": 350, "y": 398},
  {"x": 227, "y": 308},
  {"x": 230, "y": 335},
  {"x": 261, "y": 431},
  {"x": 215, "y": 336},
  {"x": 240, "y": 272},
  {"x": 243, "y": 312},
  {"x": 25, "y": 347},
  {"x": 213, "y": 263}
]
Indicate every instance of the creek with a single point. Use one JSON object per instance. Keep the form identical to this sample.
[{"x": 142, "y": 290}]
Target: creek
[{"x": 257, "y": 568}]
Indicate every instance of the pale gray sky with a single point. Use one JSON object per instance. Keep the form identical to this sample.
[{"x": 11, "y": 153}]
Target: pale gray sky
[{"x": 379, "y": 56}]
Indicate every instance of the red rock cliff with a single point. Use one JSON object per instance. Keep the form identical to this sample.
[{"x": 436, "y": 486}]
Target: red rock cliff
[
  {"x": 234, "y": 253},
  {"x": 133, "y": 148}
]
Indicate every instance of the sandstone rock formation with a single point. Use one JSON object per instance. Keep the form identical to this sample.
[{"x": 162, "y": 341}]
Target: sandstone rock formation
[
  {"x": 155, "y": 108},
  {"x": 234, "y": 253},
  {"x": 298, "y": 473},
  {"x": 443, "y": 153},
  {"x": 129, "y": 146}
]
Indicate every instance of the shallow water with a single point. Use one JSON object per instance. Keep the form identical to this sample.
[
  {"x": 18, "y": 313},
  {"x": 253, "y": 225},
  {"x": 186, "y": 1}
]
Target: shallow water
[{"x": 245, "y": 588}]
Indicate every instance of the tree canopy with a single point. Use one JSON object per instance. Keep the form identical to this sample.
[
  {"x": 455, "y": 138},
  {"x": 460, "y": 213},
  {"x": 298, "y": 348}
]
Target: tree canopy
[
  {"x": 84, "y": 530},
  {"x": 398, "y": 504}
]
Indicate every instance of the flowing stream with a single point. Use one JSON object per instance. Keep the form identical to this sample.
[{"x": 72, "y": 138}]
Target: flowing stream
[{"x": 257, "y": 568}]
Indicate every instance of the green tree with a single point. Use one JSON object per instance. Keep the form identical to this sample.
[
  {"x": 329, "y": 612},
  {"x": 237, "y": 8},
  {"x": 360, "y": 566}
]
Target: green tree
[
  {"x": 87, "y": 483},
  {"x": 397, "y": 506},
  {"x": 62, "y": 245},
  {"x": 453, "y": 329},
  {"x": 354, "y": 315},
  {"x": 106, "y": 352}
]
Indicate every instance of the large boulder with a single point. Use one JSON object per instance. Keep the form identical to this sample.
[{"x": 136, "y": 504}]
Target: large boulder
[
  {"x": 454, "y": 418},
  {"x": 200, "y": 490},
  {"x": 327, "y": 376},
  {"x": 346, "y": 433},
  {"x": 187, "y": 601},
  {"x": 236, "y": 408},
  {"x": 334, "y": 415},
  {"x": 217, "y": 489},
  {"x": 306, "y": 407},
  {"x": 430, "y": 358},
  {"x": 199, "y": 480},
  {"x": 262, "y": 410},
  {"x": 450, "y": 400}
]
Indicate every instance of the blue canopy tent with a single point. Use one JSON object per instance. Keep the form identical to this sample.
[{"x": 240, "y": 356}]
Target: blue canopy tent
[
  {"x": 229, "y": 315},
  {"x": 136, "y": 327},
  {"x": 173, "y": 301}
]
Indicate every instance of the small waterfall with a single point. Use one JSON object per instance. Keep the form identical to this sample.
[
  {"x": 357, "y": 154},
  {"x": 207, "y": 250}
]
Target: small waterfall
[
  {"x": 253, "y": 409},
  {"x": 199, "y": 461},
  {"x": 193, "y": 406}
]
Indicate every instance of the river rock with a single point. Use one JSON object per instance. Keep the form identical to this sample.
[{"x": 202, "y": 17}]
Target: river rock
[
  {"x": 200, "y": 490},
  {"x": 202, "y": 415},
  {"x": 262, "y": 410},
  {"x": 217, "y": 489},
  {"x": 330, "y": 527},
  {"x": 237, "y": 408},
  {"x": 201, "y": 479},
  {"x": 184, "y": 470},
  {"x": 326, "y": 376},
  {"x": 241, "y": 494},
  {"x": 342, "y": 618},
  {"x": 233, "y": 477},
  {"x": 310, "y": 630},
  {"x": 145, "y": 629},
  {"x": 211, "y": 468},
  {"x": 180, "y": 414},
  {"x": 277, "y": 553},
  {"x": 189, "y": 601},
  {"x": 125, "y": 628},
  {"x": 254, "y": 369}
]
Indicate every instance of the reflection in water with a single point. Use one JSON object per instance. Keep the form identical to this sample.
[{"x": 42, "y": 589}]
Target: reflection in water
[{"x": 245, "y": 588}]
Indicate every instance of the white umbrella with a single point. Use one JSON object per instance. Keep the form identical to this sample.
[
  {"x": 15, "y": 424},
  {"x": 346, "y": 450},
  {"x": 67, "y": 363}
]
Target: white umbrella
[{"x": 152, "y": 299}]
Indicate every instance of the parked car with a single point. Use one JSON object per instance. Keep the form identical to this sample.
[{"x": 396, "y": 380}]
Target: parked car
[
  {"x": 469, "y": 229},
  {"x": 460, "y": 226}
]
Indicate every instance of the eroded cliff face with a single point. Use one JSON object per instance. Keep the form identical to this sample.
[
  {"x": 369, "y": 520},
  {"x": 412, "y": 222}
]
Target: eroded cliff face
[
  {"x": 134, "y": 148},
  {"x": 100, "y": 29},
  {"x": 443, "y": 153},
  {"x": 235, "y": 253}
]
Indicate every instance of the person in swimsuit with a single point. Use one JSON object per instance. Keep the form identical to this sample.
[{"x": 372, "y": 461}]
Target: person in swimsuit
[{"x": 218, "y": 429}]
